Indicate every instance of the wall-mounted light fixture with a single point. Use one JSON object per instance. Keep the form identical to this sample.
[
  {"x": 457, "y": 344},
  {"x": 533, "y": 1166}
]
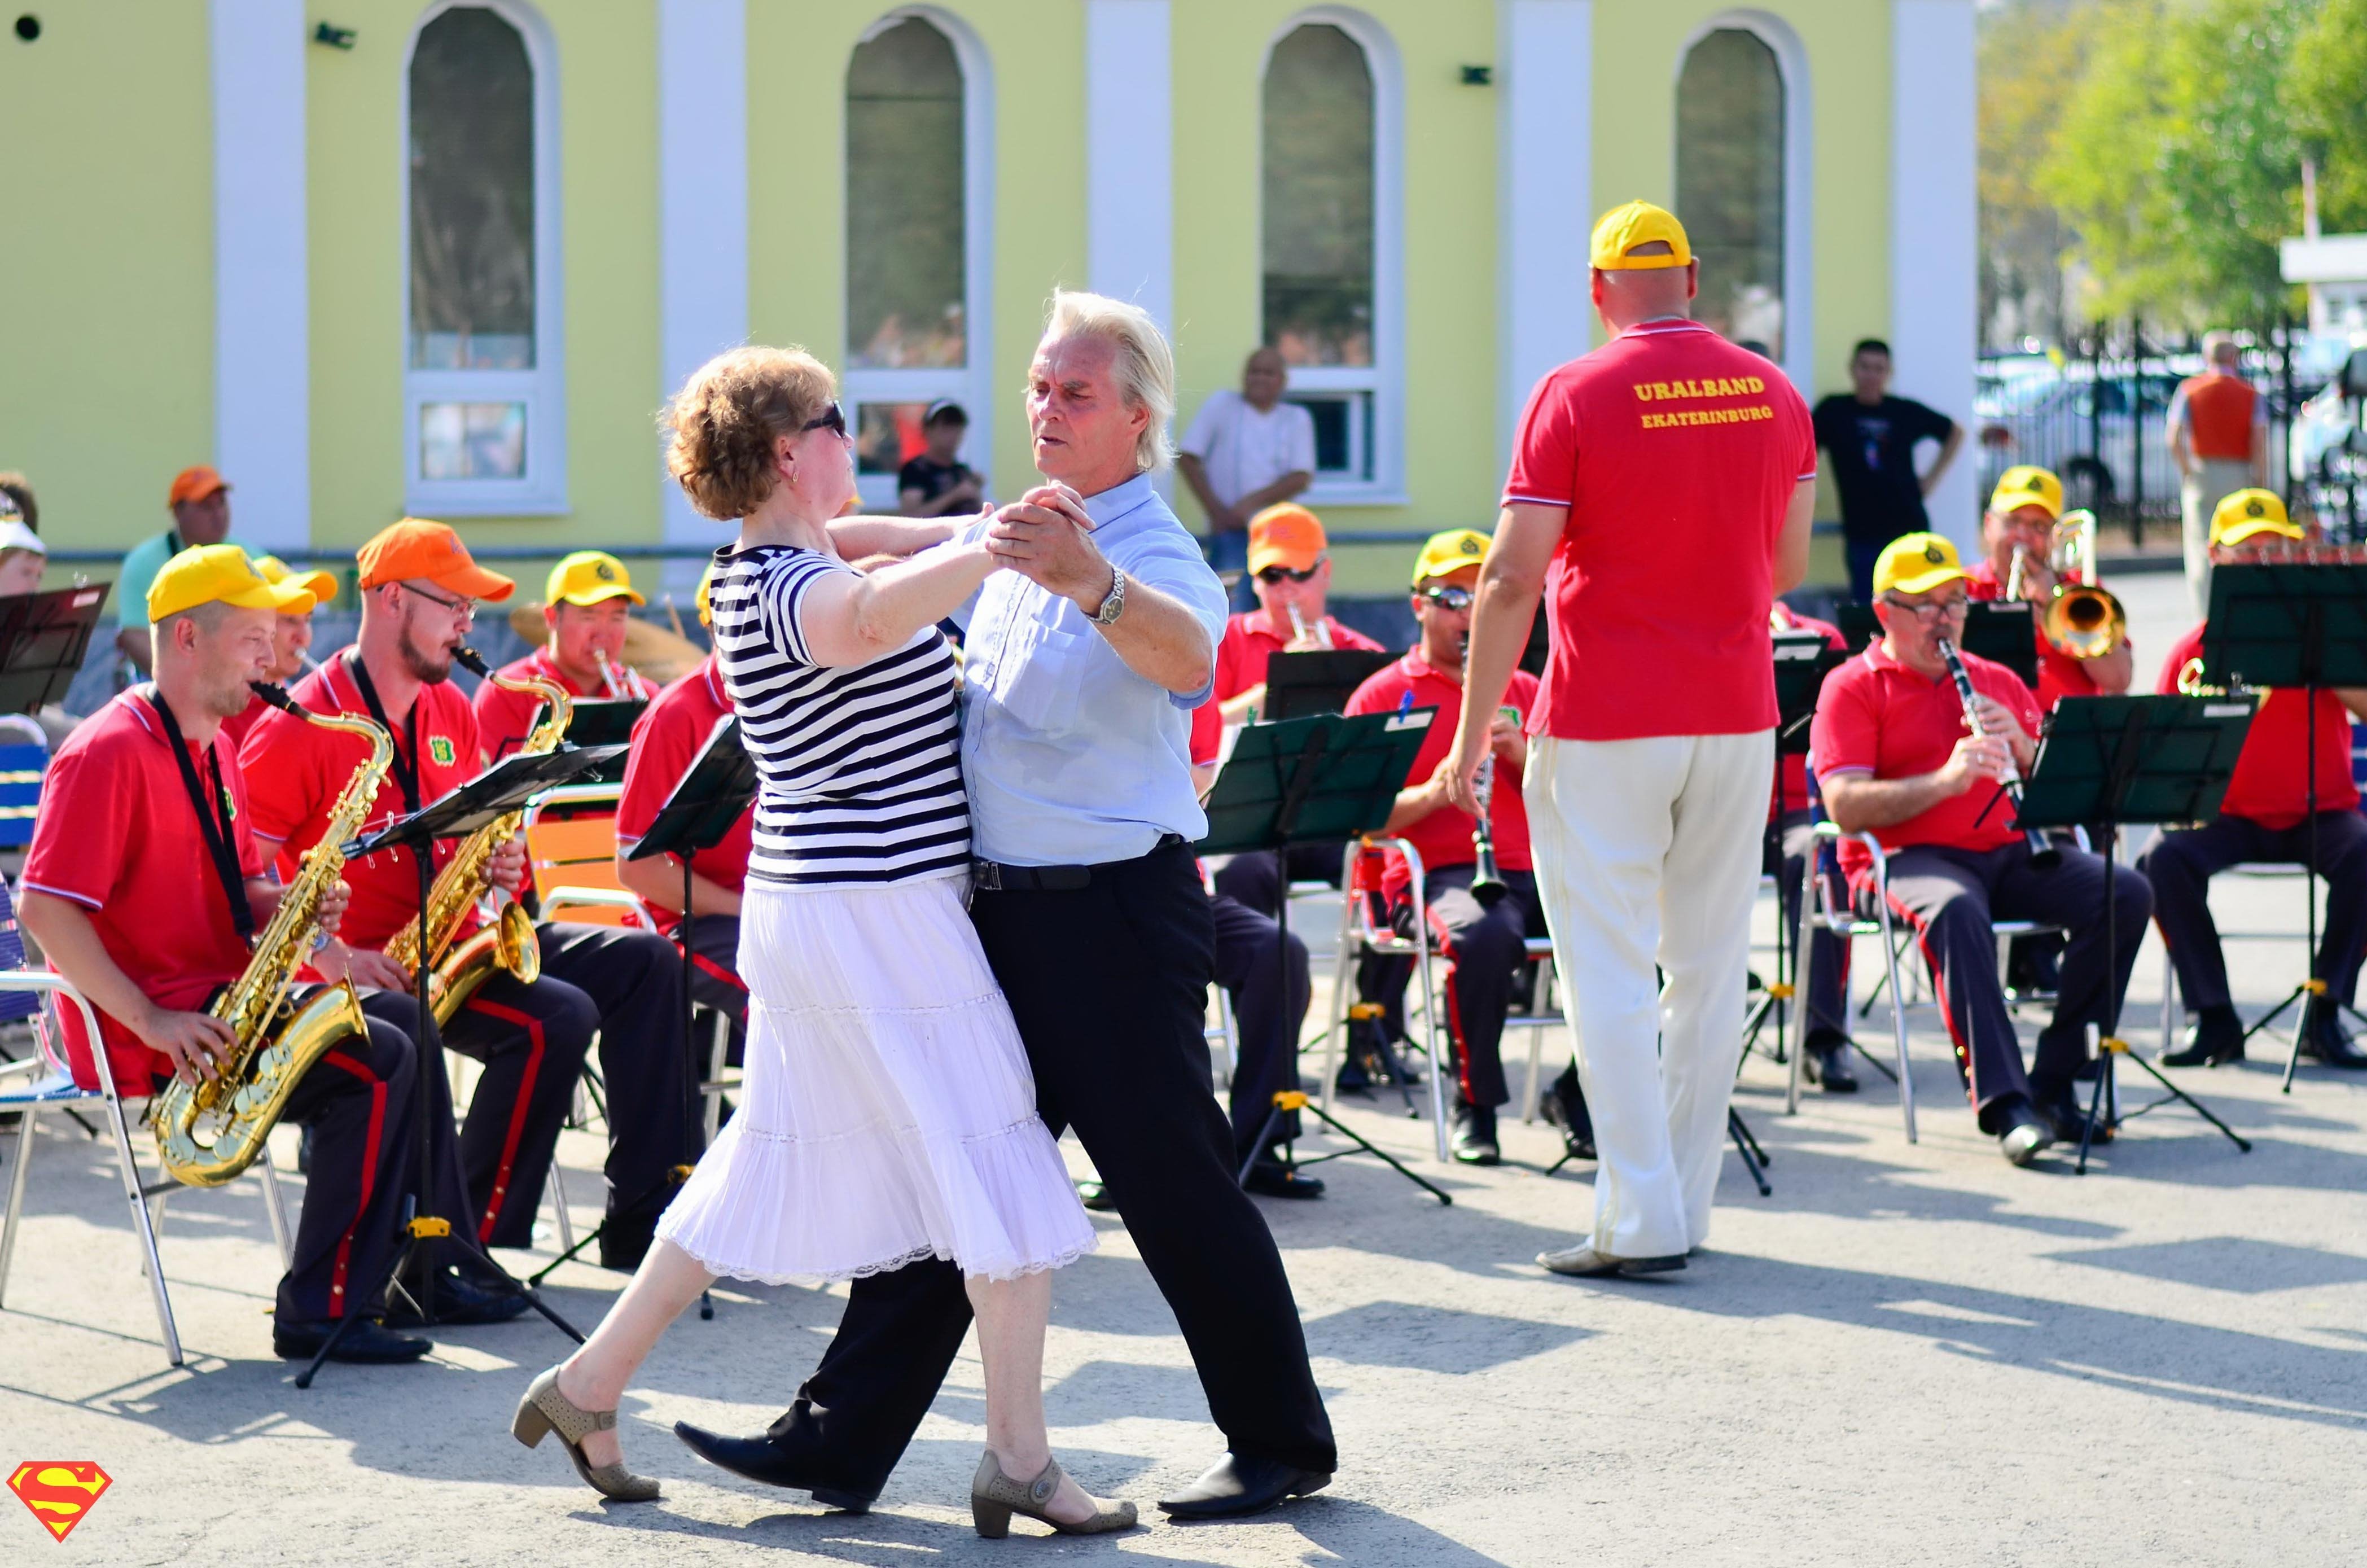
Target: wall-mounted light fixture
[
  {"x": 333, "y": 36},
  {"x": 1479, "y": 76},
  {"x": 28, "y": 27}
]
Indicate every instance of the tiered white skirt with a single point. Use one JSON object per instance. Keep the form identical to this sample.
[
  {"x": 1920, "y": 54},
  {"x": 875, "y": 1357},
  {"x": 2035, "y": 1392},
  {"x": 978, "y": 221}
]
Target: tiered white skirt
[{"x": 887, "y": 1114}]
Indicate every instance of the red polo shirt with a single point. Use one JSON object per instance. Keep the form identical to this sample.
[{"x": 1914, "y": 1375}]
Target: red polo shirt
[
  {"x": 1790, "y": 792},
  {"x": 667, "y": 738},
  {"x": 2059, "y": 674},
  {"x": 2268, "y": 787},
  {"x": 1252, "y": 635},
  {"x": 1876, "y": 716},
  {"x": 117, "y": 834},
  {"x": 1667, "y": 445},
  {"x": 1207, "y": 732},
  {"x": 1443, "y": 837},
  {"x": 505, "y": 718},
  {"x": 298, "y": 770}
]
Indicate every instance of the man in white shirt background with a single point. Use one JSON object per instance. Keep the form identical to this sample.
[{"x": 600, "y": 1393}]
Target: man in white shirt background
[{"x": 1246, "y": 450}]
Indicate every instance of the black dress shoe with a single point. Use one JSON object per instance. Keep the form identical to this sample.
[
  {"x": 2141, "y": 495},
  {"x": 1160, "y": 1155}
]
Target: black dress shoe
[
  {"x": 366, "y": 1343},
  {"x": 2065, "y": 1113},
  {"x": 1474, "y": 1135},
  {"x": 775, "y": 1460},
  {"x": 1271, "y": 1178},
  {"x": 625, "y": 1239},
  {"x": 2327, "y": 1041},
  {"x": 458, "y": 1299},
  {"x": 1235, "y": 1486},
  {"x": 2023, "y": 1133},
  {"x": 2215, "y": 1036},
  {"x": 1826, "y": 1062}
]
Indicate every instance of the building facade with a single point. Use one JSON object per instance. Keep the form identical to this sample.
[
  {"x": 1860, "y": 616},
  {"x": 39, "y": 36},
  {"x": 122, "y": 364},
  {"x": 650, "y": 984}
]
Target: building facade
[{"x": 377, "y": 256}]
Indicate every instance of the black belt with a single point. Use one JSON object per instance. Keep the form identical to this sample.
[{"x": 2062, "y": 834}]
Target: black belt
[{"x": 993, "y": 876}]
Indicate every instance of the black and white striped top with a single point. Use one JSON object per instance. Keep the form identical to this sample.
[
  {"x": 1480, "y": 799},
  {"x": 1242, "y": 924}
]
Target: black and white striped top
[{"x": 860, "y": 768}]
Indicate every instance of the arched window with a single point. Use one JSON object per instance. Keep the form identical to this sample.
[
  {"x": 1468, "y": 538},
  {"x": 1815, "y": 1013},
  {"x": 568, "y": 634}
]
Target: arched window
[
  {"x": 916, "y": 139},
  {"x": 1733, "y": 178},
  {"x": 1328, "y": 248},
  {"x": 487, "y": 424}
]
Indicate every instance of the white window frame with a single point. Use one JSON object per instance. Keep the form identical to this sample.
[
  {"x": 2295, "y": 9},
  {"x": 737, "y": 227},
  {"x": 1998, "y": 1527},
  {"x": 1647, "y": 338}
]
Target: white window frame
[
  {"x": 542, "y": 489},
  {"x": 1381, "y": 385},
  {"x": 1799, "y": 360},
  {"x": 971, "y": 384}
]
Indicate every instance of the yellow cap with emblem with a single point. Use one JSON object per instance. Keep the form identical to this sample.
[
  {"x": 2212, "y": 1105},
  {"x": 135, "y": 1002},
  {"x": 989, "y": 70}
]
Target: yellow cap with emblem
[
  {"x": 321, "y": 585},
  {"x": 588, "y": 578},
  {"x": 1451, "y": 551},
  {"x": 219, "y": 573},
  {"x": 1916, "y": 563},
  {"x": 1627, "y": 228},
  {"x": 2246, "y": 514},
  {"x": 2028, "y": 485}
]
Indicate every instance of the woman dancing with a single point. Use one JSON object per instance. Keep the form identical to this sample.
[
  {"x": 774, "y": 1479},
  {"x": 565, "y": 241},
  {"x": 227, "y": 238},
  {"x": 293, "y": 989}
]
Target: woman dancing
[{"x": 888, "y": 1114}]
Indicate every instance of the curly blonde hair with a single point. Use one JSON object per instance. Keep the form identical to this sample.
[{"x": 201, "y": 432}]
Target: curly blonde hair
[{"x": 722, "y": 425}]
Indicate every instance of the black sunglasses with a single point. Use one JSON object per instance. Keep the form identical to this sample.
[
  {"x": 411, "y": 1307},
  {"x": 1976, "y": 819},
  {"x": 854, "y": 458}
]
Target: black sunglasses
[
  {"x": 1272, "y": 574},
  {"x": 831, "y": 417},
  {"x": 1449, "y": 597}
]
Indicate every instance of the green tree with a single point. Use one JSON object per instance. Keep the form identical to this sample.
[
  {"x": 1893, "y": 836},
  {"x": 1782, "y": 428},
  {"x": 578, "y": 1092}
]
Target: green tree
[
  {"x": 2326, "y": 88},
  {"x": 2032, "y": 55}
]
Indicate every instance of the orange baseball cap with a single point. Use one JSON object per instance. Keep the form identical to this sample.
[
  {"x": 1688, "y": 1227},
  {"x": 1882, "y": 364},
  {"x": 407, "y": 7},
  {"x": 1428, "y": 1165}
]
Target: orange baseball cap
[
  {"x": 415, "y": 547},
  {"x": 195, "y": 485},
  {"x": 1630, "y": 227},
  {"x": 1286, "y": 534}
]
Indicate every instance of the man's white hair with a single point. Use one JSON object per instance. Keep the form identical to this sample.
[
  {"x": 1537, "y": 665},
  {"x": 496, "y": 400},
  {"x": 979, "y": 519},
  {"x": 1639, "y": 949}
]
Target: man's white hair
[{"x": 1144, "y": 367}]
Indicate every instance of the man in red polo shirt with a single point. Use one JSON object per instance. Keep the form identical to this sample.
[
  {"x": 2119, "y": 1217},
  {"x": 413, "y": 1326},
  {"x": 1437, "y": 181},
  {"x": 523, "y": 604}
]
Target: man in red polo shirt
[
  {"x": 1823, "y": 975},
  {"x": 585, "y": 609},
  {"x": 2022, "y": 512},
  {"x": 2265, "y": 819},
  {"x": 1661, "y": 488},
  {"x": 143, "y": 885},
  {"x": 419, "y": 593},
  {"x": 1895, "y": 757},
  {"x": 1487, "y": 944}
]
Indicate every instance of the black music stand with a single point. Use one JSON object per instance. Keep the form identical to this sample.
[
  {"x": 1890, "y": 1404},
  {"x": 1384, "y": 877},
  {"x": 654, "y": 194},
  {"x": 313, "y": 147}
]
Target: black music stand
[
  {"x": 43, "y": 640},
  {"x": 1317, "y": 681},
  {"x": 2289, "y": 624},
  {"x": 603, "y": 721},
  {"x": 2109, "y": 760},
  {"x": 1319, "y": 779},
  {"x": 505, "y": 787},
  {"x": 2000, "y": 630}
]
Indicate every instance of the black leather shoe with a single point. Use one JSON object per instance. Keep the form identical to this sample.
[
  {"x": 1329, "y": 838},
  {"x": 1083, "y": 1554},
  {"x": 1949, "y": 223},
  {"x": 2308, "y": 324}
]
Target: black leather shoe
[
  {"x": 2068, "y": 1116},
  {"x": 775, "y": 1460},
  {"x": 2215, "y": 1036},
  {"x": 1474, "y": 1135},
  {"x": 2330, "y": 1045},
  {"x": 1095, "y": 1196},
  {"x": 1234, "y": 1487},
  {"x": 458, "y": 1299},
  {"x": 1563, "y": 1106},
  {"x": 1271, "y": 1178},
  {"x": 625, "y": 1239},
  {"x": 2023, "y": 1133},
  {"x": 1827, "y": 1063},
  {"x": 366, "y": 1343}
]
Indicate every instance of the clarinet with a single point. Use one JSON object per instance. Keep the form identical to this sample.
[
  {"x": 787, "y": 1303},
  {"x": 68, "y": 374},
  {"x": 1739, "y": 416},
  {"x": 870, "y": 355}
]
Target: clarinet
[
  {"x": 2041, "y": 848},
  {"x": 1488, "y": 885}
]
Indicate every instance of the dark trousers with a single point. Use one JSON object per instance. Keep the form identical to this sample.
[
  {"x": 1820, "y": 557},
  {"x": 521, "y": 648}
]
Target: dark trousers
[
  {"x": 715, "y": 972},
  {"x": 1862, "y": 554},
  {"x": 1949, "y": 896},
  {"x": 633, "y": 980},
  {"x": 1487, "y": 950},
  {"x": 2181, "y": 864},
  {"x": 1267, "y": 1018},
  {"x": 1254, "y": 880},
  {"x": 1824, "y": 979},
  {"x": 357, "y": 1099},
  {"x": 1109, "y": 985}
]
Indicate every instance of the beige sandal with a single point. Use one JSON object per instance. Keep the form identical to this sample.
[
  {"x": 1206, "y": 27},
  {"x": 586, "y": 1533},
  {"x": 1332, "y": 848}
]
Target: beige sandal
[
  {"x": 545, "y": 1409},
  {"x": 994, "y": 1497}
]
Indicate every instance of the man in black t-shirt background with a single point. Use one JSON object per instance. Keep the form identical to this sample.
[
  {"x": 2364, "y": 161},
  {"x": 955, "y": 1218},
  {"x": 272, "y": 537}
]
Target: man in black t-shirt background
[
  {"x": 937, "y": 482},
  {"x": 1871, "y": 438}
]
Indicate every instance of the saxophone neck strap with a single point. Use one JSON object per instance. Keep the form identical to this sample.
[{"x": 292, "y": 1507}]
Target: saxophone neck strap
[
  {"x": 215, "y": 821},
  {"x": 406, "y": 750}
]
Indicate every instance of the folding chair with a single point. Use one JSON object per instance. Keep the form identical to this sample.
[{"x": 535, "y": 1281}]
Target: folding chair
[
  {"x": 1827, "y": 902},
  {"x": 1364, "y": 933},
  {"x": 2285, "y": 870}
]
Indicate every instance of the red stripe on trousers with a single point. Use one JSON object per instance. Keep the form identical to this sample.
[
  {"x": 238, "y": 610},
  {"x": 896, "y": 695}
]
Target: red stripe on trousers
[
  {"x": 726, "y": 976},
  {"x": 369, "y": 1175},
  {"x": 1446, "y": 944},
  {"x": 533, "y": 1027},
  {"x": 1939, "y": 989}
]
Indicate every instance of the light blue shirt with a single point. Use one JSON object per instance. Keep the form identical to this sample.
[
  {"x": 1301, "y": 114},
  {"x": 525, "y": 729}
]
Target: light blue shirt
[{"x": 1071, "y": 758}]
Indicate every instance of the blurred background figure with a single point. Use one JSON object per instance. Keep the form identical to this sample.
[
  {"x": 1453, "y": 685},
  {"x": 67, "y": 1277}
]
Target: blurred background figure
[
  {"x": 1245, "y": 451},
  {"x": 937, "y": 482},
  {"x": 586, "y": 610},
  {"x": 2216, "y": 426},
  {"x": 1871, "y": 438},
  {"x": 200, "y": 501}
]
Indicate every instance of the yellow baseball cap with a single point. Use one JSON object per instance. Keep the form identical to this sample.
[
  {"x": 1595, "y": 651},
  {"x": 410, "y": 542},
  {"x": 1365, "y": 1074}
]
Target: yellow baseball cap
[
  {"x": 1638, "y": 223},
  {"x": 705, "y": 589},
  {"x": 588, "y": 578},
  {"x": 219, "y": 574},
  {"x": 1916, "y": 563},
  {"x": 1444, "y": 554},
  {"x": 1286, "y": 534},
  {"x": 2028, "y": 485},
  {"x": 2249, "y": 512},
  {"x": 321, "y": 585}
]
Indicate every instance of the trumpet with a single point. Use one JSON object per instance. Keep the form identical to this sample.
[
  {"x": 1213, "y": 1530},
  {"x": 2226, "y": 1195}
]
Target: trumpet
[
  {"x": 610, "y": 685},
  {"x": 2013, "y": 578},
  {"x": 1298, "y": 628},
  {"x": 2041, "y": 848},
  {"x": 2082, "y": 620}
]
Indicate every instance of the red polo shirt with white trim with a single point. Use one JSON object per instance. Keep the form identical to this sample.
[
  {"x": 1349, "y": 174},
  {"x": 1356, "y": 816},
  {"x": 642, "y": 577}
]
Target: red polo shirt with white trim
[
  {"x": 505, "y": 718},
  {"x": 1252, "y": 636},
  {"x": 667, "y": 739},
  {"x": 2269, "y": 786},
  {"x": 1443, "y": 837}
]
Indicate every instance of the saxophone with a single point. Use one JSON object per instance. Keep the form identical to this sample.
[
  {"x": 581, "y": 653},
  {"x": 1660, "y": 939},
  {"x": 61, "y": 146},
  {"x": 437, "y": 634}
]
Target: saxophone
[
  {"x": 508, "y": 942},
  {"x": 209, "y": 1132}
]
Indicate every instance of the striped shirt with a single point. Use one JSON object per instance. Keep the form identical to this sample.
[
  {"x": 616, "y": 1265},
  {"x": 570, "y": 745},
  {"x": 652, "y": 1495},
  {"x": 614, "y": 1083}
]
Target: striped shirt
[{"x": 859, "y": 769}]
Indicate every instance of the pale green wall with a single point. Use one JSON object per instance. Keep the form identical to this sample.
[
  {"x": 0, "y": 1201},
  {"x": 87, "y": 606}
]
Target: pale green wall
[{"x": 106, "y": 263}]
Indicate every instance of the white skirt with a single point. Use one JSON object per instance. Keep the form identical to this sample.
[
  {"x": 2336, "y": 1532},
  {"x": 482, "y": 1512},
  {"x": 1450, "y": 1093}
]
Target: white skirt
[{"x": 888, "y": 1113}]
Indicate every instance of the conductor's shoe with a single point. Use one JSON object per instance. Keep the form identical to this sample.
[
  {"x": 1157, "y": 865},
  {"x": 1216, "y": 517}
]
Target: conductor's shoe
[
  {"x": 1474, "y": 1135},
  {"x": 2023, "y": 1133},
  {"x": 1585, "y": 1263},
  {"x": 776, "y": 1461},
  {"x": 366, "y": 1342},
  {"x": 1094, "y": 1195},
  {"x": 1235, "y": 1486},
  {"x": 458, "y": 1299},
  {"x": 2215, "y": 1036},
  {"x": 1826, "y": 1062},
  {"x": 2327, "y": 1041},
  {"x": 1271, "y": 1178}
]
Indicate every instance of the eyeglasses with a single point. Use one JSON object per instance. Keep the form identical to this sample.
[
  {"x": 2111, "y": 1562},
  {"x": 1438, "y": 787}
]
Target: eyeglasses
[
  {"x": 1269, "y": 575},
  {"x": 1930, "y": 610},
  {"x": 464, "y": 609},
  {"x": 1448, "y": 598},
  {"x": 833, "y": 417}
]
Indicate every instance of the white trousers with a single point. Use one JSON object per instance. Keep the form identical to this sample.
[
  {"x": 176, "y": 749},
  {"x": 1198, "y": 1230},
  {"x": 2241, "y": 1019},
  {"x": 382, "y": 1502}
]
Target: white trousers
[{"x": 1648, "y": 850}]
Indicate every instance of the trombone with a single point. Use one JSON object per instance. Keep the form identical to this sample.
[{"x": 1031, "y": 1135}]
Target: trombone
[{"x": 2083, "y": 620}]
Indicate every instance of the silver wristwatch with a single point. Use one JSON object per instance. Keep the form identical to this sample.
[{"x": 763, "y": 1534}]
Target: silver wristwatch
[{"x": 1114, "y": 606}]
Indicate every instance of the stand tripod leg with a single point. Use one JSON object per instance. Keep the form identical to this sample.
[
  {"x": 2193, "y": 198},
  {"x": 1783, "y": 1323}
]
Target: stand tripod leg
[
  {"x": 1755, "y": 1159},
  {"x": 1382, "y": 1155},
  {"x": 2102, "y": 1052},
  {"x": 2192, "y": 1104},
  {"x": 2304, "y": 1001}
]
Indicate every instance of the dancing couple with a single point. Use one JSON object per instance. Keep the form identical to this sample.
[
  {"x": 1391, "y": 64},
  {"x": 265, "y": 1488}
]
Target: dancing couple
[{"x": 910, "y": 1065}]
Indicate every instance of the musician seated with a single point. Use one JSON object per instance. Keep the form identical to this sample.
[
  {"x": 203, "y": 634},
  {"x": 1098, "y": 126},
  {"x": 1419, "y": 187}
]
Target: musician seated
[
  {"x": 2265, "y": 818},
  {"x": 291, "y": 638},
  {"x": 585, "y": 609},
  {"x": 1290, "y": 571},
  {"x": 667, "y": 738},
  {"x": 142, "y": 883},
  {"x": 1791, "y": 843},
  {"x": 1485, "y": 939},
  {"x": 1894, "y": 755},
  {"x": 419, "y": 595},
  {"x": 2023, "y": 513}
]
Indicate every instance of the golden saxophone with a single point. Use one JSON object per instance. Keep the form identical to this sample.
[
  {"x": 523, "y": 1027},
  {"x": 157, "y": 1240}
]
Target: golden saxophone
[
  {"x": 508, "y": 942},
  {"x": 209, "y": 1132}
]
